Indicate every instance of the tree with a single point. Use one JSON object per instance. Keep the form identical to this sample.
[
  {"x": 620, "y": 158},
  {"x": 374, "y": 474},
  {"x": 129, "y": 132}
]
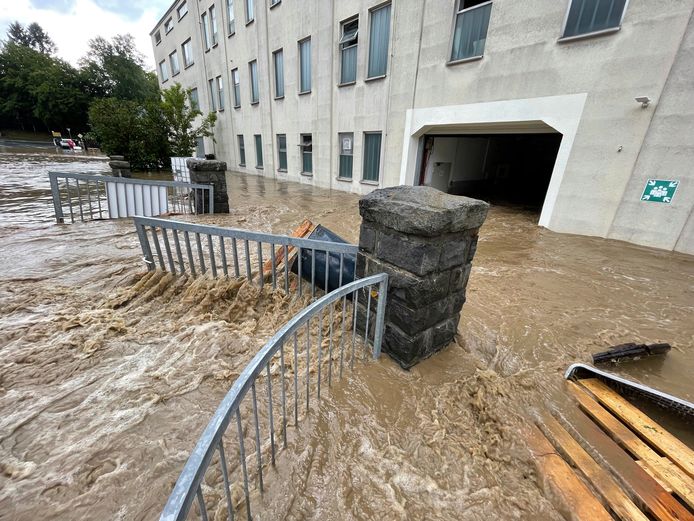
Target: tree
[
  {"x": 32, "y": 36},
  {"x": 180, "y": 112},
  {"x": 134, "y": 129},
  {"x": 116, "y": 70}
]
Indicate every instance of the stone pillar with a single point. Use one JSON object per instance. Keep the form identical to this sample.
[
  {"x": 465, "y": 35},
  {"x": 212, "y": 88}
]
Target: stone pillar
[
  {"x": 425, "y": 240},
  {"x": 208, "y": 172},
  {"x": 119, "y": 167}
]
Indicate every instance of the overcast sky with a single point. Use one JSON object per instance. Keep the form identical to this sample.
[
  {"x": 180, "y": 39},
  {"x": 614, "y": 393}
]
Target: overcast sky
[{"x": 72, "y": 23}]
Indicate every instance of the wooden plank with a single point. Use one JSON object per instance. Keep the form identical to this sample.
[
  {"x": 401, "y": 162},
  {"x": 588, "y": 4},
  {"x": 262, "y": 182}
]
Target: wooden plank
[
  {"x": 665, "y": 471},
  {"x": 660, "y": 438},
  {"x": 304, "y": 229},
  {"x": 646, "y": 492},
  {"x": 606, "y": 486},
  {"x": 645, "y": 467},
  {"x": 568, "y": 493}
]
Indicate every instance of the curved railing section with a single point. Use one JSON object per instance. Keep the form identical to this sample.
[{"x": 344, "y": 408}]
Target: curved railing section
[
  {"x": 330, "y": 353},
  {"x": 265, "y": 258}
]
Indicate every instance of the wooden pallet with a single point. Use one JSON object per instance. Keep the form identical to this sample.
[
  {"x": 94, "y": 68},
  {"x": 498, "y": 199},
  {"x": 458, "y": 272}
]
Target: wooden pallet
[{"x": 611, "y": 461}]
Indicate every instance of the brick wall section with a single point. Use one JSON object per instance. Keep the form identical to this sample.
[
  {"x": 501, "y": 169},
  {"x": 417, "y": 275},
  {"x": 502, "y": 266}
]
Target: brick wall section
[
  {"x": 425, "y": 240},
  {"x": 210, "y": 172}
]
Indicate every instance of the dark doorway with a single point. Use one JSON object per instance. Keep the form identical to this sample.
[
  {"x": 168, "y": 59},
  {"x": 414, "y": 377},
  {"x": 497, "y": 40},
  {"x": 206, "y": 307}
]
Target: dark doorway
[{"x": 511, "y": 169}]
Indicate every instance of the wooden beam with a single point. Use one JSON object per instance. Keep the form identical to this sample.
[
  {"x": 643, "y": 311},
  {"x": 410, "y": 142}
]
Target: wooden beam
[
  {"x": 656, "y": 435},
  {"x": 664, "y": 470},
  {"x": 560, "y": 484},
  {"x": 616, "y": 499},
  {"x": 646, "y": 491}
]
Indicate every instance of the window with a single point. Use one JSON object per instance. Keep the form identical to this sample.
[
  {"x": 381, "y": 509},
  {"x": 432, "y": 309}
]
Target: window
[
  {"x": 278, "y": 58},
  {"x": 305, "y": 65},
  {"x": 258, "y": 151},
  {"x": 163, "y": 71},
  {"x": 187, "y": 50},
  {"x": 306, "y": 145},
  {"x": 249, "y": 11},
  {"x": 372, "y": 156},
  {"x": 194, "y": 99},
  {"x": 348, "y": 51},
  {"x": 157, "y": 38},
  {"x": 282, "y": 151},
  {"x": 182, "y": 10},
  {"x": 213, "y": 25},
  {"x": 205, "y": 31},
  {"x": 242, "y": 151},
  {"x": 168, "y": 25},
  {"x": 592, "y": 16},
  {"x": 346, "y": 145},
  {"x": 253, "y": 67},
  {"x": 213, "y": 101},
  {"x": 220, "y": 92},
  {"x": 378, "y": 42},
  {"x": 237, "y": 87},
  {"x": 173, "y": 60},
  {"x": 470, "y": 33},
  {"x": 231, "y": 21},
  {"x": 273, "y": 3}
]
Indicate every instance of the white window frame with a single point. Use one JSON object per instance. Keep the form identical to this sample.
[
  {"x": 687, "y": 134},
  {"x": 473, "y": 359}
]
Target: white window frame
[
  {"x": 187, "y": 63},
  {"x": 173, "y": 57},
  {"x": 236, "y": 81},
  {"x": 310, "y": 65},
  {"x": 205, "y": 30},
  {"x": 342, "y": 48},
  {"x": 609, "y": 30},
  {"x": 231, "y": 19},
  {"x": 180, "y": 7},
  {"x": 219, "y": 83},
  {"x": 164, "y": 71},
  {"x": 214, "y": 29},
  {"x": 456, "y": 13},
  {"x": 255, "y": 85},
  {"x": 250, "y": 10}
]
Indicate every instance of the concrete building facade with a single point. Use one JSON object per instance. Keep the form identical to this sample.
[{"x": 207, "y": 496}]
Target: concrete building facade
[{"x": 527, "y": 103}]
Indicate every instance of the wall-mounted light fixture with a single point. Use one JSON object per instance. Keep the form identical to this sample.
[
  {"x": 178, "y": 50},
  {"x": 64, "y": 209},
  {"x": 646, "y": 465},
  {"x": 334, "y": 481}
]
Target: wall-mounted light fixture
[{"x": 644, "y": 100}]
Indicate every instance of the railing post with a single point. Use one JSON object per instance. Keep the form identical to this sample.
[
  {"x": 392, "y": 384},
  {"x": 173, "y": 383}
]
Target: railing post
[
  {"x": 55, "y": 192},
  {"x": 380, "y": 316},
  {"x": 211, "y": 196},
  {"x": 144, "y": 243}
]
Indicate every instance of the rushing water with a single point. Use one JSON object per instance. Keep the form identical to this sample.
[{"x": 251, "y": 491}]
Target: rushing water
[{"x": 108, "y": 376}]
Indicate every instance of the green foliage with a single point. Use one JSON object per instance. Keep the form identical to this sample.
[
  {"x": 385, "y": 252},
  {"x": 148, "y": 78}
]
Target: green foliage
[
  {"x": 33, "y": 36},
  {"x": 134, "y": 129},
  {"x": 179, "y": 113},
  {"x": 116, "y": 70}
]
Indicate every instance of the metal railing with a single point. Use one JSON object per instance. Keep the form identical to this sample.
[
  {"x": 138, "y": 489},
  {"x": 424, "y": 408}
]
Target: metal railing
[
  {"x": 208, "y": 469},
  {"x": 178, "y": 247},
  {"x": 90, "y": 197}
]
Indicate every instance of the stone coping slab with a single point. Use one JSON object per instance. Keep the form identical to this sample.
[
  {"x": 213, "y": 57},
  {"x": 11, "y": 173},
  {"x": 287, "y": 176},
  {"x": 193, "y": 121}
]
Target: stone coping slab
[{"x": 422, "y": 210}]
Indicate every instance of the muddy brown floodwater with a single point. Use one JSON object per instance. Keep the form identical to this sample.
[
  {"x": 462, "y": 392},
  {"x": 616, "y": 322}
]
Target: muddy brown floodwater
[{"x": 108, "y": 375}]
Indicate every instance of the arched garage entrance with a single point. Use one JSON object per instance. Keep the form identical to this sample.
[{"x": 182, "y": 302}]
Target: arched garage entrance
[{"x": 513, "y": 131}]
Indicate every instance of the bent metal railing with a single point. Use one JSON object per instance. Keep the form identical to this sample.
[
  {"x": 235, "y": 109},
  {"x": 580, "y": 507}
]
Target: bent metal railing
[
  {"x": 240, "y": 253},
  {"x": 93, "y": 196},
  {"x": 269, "y": 362}
]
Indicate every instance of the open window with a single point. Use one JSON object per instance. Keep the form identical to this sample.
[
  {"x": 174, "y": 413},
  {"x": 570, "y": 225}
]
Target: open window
[
  {"x": 348, "y": 51},
  {"x": 470, "y": 30}
]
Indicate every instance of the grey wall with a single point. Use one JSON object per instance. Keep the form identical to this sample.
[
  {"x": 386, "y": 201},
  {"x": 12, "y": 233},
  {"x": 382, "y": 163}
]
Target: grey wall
[{"x": 523, "y": 59}]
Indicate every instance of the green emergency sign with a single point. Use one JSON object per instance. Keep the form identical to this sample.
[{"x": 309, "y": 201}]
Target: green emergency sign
[{"x": 659, "y": 190}]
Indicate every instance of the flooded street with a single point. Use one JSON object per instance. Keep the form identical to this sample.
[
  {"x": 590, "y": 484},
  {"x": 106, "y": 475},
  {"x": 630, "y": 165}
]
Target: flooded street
[{"x": 108, "y": 374}]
